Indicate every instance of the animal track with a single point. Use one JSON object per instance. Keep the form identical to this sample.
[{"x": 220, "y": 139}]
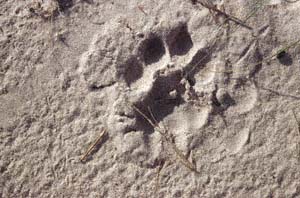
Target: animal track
[
  {"x": 166, "y": 79},
  {"x": 152, "y": 49},
  {"x": 179, "y": 41},
  {"x": 245, "y": 97},
  {"x": 197, "y": 63},
  {"x": 133, "y": 70},
  {"x": 236, "y": 142},
  {"x": 158, "y": 97},
  {"x": 172, "y": 75}
]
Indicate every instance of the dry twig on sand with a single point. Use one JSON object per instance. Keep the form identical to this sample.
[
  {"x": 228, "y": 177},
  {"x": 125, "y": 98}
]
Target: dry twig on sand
[
  {"x": 297, "y": 121},
  {"x": 160, "y": 167},
  {"x": 298, "y": 129},
  {"x": 212, "y": 8},
  {"x": 168, "y": 138},
  {"x": 259, "y": 4},
  {"x": 93, "y": 146}
]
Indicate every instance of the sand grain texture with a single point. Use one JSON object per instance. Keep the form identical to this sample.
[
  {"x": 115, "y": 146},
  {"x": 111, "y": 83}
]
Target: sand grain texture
[{"x": 69, "y": 69}]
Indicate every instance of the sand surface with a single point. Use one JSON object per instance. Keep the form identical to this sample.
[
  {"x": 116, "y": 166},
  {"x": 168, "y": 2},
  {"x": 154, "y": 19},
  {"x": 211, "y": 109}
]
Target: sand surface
[{"x": 218, "y": 93}]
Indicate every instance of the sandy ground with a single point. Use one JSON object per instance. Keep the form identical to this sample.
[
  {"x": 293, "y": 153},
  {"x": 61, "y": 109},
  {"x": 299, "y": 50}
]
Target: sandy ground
[{"x": 221, "y": 104}]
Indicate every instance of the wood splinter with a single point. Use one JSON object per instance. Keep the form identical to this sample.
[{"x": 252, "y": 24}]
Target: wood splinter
[{"x": 93, "y": 146}]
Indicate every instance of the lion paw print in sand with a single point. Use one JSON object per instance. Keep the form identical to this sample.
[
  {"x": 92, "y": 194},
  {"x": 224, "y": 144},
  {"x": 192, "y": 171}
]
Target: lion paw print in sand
[{"x": 168, "y": 71}]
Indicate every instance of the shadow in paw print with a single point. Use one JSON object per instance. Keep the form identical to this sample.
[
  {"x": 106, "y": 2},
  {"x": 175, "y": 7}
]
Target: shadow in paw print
[
  {"x": 179, "y": 41},
  {"x": 64, "y": 4},
  {"x": 158, "y": 100},
  {"x": 152, "y": 49},
  {"x": 133, "y": 71},
  {"x": 198, "y": 62},
  {"x": 222, "y": 100},
  {"x": 285, "y": 58}
]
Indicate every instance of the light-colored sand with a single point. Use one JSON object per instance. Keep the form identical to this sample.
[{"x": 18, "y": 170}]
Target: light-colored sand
[{"x": 65, "y": 78}]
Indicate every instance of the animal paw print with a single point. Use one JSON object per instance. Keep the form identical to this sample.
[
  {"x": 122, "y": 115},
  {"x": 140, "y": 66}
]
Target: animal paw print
[
  {"x": 168, "y": 62},
  {"x": 169, "y": 71}
]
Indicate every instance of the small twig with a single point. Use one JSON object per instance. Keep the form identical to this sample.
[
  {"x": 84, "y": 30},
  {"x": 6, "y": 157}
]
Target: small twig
[
  {"x": 183, "y": 159},
  {"x": 264, "y": 60},
  {"x": 141, "y": 8},
  {"x": 169, "y": 139},
  {"x": 297, "y": 121},
  {"x": 98, "y": 23},
  {"x": 229, "y": 17},
  {"x": 88, "y": 1},
  {"x": 298, "y": 129},
  {"x": 286, "y": 48},
  {"x": 259, "y": 4},
  {"x": 144, "y": 115},
  {"x": 152, "y": 115},
  {"x": 161, "y": 165},
  {"x": 214, "y": 41},
  {"x": 290, "y": 1},
  {"x": 93, "y": 146}
]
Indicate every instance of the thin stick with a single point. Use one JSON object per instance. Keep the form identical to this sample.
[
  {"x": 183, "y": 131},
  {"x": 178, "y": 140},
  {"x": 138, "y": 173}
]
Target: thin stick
[
  {"x": 152, "y": 115},
  {"x": 267, "y": 59},
  {"x": 141, "y": 8},
  {"x": 277, "y": 52},
  {"x": 293, "y": 44},
  {"x": 254, "y": 10},
  {"x": 170, "y": 141},
  {"x": 183, "y": 159},
  {"x": 298, "y": 129},
  {"x": 297, "y": 121},
  {"x": 217, "y": 37},
  {"x": 158, "y": 176},
  {"x": 93, "y": 146},
  {"x": 229, "y": 17},
  {"x": 286, "y": 48},
  {"x": 144, "y": 115}
]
